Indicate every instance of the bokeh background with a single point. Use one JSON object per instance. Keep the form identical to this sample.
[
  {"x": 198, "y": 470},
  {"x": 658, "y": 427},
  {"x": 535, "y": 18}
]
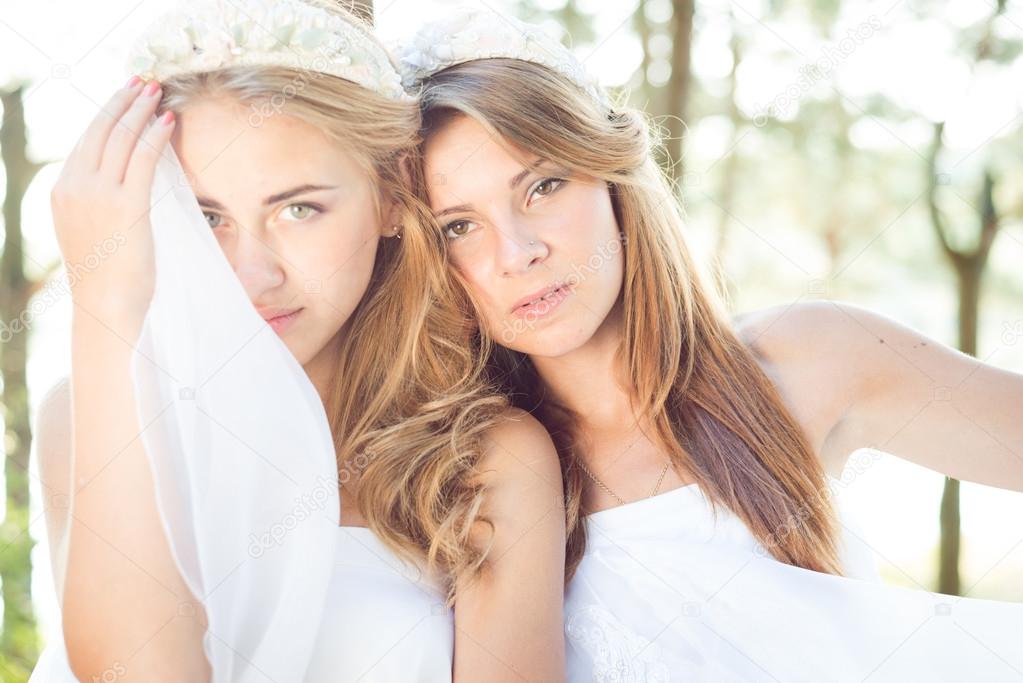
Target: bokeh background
[{"x": 870, "y": 152}]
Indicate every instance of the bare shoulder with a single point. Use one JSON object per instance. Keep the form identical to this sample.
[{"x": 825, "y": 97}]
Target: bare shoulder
[
  {"x": 790, "y": 330},
  {"x": 832, "y": 337},
  {"x": 816, "y": 353},
  {"x": 523, "y": 499},
  {"x": 518, "y": 447}
]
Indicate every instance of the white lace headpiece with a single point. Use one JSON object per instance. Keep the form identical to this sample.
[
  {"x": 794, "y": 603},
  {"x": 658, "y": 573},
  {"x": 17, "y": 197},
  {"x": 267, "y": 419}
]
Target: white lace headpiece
[
  {"x": 466, "y": 35},
  {"x": 205, "y": 35}
]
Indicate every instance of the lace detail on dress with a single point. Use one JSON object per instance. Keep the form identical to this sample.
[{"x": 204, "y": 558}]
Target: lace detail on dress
[{"x": 618, "y": 654}]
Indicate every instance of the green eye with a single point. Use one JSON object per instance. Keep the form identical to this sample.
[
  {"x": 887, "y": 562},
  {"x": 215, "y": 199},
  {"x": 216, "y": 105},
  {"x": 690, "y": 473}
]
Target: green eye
[
  {"x": 212, "y": 219},
  {"x": 299, "y": 212}
]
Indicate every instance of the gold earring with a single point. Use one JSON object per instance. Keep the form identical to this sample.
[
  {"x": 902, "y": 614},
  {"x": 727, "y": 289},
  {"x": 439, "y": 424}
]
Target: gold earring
[{"x": 395, "y": 229}]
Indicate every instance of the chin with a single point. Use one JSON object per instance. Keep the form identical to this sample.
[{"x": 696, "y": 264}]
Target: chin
[
  {"x": 301, "y": 354},
  {"x": 551, "y": 342}
]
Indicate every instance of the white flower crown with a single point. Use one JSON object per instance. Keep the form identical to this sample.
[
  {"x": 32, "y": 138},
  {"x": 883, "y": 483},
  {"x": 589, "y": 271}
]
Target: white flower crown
[
  {"x": 212, "y": 34},
  {"x": 466, "y": 35}
]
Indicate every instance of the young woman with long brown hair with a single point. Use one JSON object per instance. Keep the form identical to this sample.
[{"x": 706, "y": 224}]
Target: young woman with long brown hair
[
  {"x": 698, "y": 451},
  {"x": 292, "y": 130}
]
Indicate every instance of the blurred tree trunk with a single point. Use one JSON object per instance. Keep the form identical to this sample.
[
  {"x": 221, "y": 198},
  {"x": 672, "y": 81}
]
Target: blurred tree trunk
[
  {"x": 19, "y": 642},
  {"x": 969, "y": 266},
  {"x": 677, "y": 88},
  {"x": 730, "y": 166},
  {"x": 651, "y": 99},
  {"x": 364, "y": 9},
  {"x": 642, "y": 26}
]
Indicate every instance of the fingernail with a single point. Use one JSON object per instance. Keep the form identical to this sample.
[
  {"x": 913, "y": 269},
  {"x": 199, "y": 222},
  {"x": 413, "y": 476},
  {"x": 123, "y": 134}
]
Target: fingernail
[
  {"x": 132, "y": 82},
  {"x": 151, "y": 88},
  {"x": 167, "y": 118}
]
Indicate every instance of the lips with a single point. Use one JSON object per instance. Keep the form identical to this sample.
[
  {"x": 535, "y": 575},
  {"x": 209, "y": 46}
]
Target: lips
[
  {"x": 269, "y": 313},
  {"x": 549, "y": 293}
]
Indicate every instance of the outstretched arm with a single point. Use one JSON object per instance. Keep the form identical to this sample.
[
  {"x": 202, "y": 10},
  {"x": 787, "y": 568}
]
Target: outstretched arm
[{"x": 858, "y": 379}]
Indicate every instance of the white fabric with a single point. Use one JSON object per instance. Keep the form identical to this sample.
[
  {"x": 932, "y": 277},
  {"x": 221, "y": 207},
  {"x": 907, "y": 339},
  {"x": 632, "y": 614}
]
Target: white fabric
[
  {"x": 665, "y": 593},
  {"x": 384, "y": 621},
  {"x": 244, "y": 467},
  {"x": 245, "y": 471},
  {"x": 205, "y": 35},
  {"x": 467, "y": 34}
]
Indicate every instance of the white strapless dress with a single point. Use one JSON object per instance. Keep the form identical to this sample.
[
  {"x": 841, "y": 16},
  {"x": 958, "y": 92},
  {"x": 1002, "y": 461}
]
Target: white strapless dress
[
  {"x": 384, "y": 621},
  {"x": 666, "y": 592}
]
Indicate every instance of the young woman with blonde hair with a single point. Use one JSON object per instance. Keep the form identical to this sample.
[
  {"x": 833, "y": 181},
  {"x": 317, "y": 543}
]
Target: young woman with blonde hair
[
  {"x": 374, "y": 511},
  {"x": 701, "y": 454}
]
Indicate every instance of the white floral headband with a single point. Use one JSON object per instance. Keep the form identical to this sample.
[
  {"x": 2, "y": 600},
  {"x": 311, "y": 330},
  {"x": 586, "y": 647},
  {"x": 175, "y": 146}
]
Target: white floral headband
[
  {"x": 470, "y": 34},
  {"x": 213, "y": 34}
]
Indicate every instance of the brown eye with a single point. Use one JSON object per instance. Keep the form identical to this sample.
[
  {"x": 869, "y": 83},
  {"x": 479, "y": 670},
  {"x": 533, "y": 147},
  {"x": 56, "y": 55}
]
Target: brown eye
[
  {"x": 457, "y": 229},
  {"x": 546, "y": 187}
]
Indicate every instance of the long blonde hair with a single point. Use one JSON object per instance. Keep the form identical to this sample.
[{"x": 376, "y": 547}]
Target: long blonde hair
[
  {"x": 712, "y": 406},
  {"x": 408, "y": 405}
]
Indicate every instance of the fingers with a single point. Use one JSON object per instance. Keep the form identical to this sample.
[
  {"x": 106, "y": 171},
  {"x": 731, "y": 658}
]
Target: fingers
[
  {"x": 126, "y": 134},
  {"x": 88, "y": 153},
  {"x": 139, "y": 174}
]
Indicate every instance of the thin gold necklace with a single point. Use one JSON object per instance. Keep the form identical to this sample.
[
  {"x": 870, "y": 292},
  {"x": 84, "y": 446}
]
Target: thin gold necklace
[{"x": 614, "y": 495}]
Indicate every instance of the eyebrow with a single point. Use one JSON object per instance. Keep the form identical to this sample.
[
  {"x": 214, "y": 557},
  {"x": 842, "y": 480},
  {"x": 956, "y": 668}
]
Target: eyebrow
[
  {"x": 272, "y": 199},
  {"x": 512, "y": 184}
]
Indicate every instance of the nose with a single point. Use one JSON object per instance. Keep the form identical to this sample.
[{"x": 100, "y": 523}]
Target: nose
[
  {"x": 256, "y": 263},
  {"x": 519, "y": 250}
]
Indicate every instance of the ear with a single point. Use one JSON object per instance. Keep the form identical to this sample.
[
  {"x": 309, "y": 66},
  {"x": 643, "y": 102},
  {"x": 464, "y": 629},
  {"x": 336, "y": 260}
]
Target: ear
[{"x": 391, "y": 225}]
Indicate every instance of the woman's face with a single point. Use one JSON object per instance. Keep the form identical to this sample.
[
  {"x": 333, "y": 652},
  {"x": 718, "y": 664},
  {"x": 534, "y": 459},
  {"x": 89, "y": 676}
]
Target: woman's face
[
  {"x": 539, "y": 248},
  {"x": 294, "y": 213}
]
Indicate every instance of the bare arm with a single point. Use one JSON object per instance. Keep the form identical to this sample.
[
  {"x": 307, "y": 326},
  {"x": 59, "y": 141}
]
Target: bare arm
[
  {"x": 860, "y": 380},
  {"x": 124, "y": 599},
  {"x": 509, "y": 624},
  {"x": 52, "y": 444},
  {"x": 126, "y": 609}
]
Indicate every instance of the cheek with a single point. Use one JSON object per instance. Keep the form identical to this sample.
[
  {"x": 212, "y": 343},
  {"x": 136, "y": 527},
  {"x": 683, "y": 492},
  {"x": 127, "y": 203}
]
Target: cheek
[
  {"x": 592, "y": 217},
  {"x": 349, "y": 239},
  {"x": 477, "y": 280},
  {"x": 339, "y": 259}
]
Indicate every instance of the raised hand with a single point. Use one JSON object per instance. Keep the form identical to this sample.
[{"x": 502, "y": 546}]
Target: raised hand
[{"x": 102, "y": 198}]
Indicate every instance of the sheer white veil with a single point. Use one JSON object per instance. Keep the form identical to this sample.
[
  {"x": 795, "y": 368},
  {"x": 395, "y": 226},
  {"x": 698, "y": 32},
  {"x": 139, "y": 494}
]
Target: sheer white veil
[{"x": 241, "y": 453}]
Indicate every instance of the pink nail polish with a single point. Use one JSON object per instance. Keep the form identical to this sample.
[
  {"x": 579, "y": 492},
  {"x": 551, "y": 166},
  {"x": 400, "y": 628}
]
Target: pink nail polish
[
  {"x": 167, "y": 118},
  {"x": 132, "y": 82},
  {"x": 151, "y": 88}
]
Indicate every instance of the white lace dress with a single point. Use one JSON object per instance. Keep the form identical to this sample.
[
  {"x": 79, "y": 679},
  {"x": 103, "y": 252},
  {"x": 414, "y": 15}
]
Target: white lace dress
[{"x": 667, "y": 593}]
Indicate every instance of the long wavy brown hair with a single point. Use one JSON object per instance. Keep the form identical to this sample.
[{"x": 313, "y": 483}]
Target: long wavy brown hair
[
  {"x": 713, "y": 408},
  {"x": 409, "y": 404}
]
